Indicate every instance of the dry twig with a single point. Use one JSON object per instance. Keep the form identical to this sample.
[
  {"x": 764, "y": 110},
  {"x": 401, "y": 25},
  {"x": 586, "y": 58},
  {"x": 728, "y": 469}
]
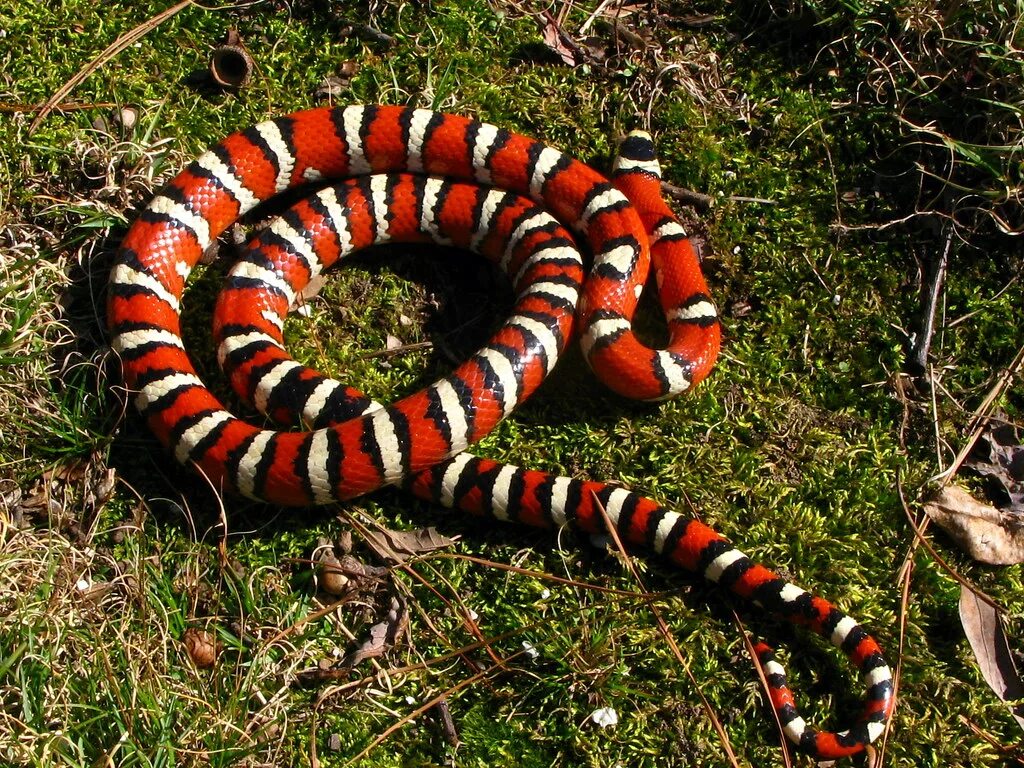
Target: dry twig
[{"x": 935, "y": 277}]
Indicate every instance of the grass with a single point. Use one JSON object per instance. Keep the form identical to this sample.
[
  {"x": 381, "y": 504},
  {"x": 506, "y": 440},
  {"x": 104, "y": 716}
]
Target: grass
[{"x": 841, "y": 122}]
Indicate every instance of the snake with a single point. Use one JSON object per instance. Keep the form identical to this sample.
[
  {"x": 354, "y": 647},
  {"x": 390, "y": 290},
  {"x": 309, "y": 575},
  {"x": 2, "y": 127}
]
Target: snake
[{"x": 403, "y": 174}]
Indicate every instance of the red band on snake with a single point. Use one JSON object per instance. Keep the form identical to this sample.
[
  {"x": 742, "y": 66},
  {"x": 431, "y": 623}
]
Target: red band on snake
[{"x": 417, "y": 175}]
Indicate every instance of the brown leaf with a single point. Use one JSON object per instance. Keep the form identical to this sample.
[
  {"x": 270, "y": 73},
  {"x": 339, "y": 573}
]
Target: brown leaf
[
  {"x": 633, "y": 39},
  {"x": 312, "y": 289},
  {"x": 560, "y": 43},
  {"x": 382, "y": 635},
  {"x": 999, "y": 456},
  {"x": 331, "y": 87},
  {"x": 99, "y": 489},
  {"x": 985, "y": 533},
  {"x": 399, "y": 546},
  {"x": 991, "y": 649}
]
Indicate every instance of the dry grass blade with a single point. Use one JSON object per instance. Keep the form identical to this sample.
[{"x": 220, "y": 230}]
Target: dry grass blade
[
  {"x": 667, "y": 634},
  {"x": 106, "y": 55},
  {"x": 444, "y": 695},
  {"x": 787, "y": 759},
  {"x": 541, "y": 576},
  {"x": 317, "y": 614},
  {"x": 67, "y": 106}
]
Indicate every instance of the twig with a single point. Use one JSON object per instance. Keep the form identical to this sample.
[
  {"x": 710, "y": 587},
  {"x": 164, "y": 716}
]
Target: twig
[
  {"x": 917, "y": 360},
  {"x": 67, "y": 106},
  {"x": 399, "y": 350},
  {"x": 365, "y": 32},
  {"x": 429, "y": 705},
  {"x": 448, "y": 729},
  {"x": 688, "y": 196},
  {"x": 106, "y": 55},
  {"x": 745, "y": 199}
]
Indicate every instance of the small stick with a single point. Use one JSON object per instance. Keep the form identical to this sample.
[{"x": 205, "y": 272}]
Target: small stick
[
  {"x": 371, "y": 34},
  {"x": 67, "y": 106},
  {"x": 448, "y": 729},
  {"x": 688, "y": 196},
  {"x": 745, "y": 199},
  {"x": 401, "y": 350},
  {"x": 917, "y": 360}
]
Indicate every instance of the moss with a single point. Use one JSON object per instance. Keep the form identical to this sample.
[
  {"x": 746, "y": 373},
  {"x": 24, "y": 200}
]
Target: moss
[{"x": 793, "y": 448}]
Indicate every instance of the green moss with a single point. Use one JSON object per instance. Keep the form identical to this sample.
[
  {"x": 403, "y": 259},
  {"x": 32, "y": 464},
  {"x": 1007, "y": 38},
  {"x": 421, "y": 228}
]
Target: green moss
[{"x": 793, "y": 448}]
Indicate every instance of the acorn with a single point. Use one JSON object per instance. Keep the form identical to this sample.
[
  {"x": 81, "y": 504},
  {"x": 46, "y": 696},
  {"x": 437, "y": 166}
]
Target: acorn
[{"x": 201, "y": 647}]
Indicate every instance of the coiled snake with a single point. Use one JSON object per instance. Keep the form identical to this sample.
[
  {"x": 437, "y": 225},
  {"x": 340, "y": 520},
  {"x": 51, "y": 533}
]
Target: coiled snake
[{"x": 414, "y": 174}]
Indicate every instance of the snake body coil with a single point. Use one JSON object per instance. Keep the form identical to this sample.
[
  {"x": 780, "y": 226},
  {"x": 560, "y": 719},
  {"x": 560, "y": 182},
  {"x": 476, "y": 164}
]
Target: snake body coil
[{"x": 420, "y": 175}]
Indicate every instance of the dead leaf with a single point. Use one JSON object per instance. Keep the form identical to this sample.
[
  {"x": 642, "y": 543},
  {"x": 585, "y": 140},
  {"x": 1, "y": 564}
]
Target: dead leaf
[
  {"x": 100, "y": 489},
  {"x": 93, "y": 593},
  {"x": 557, "y": 41},
  {"x": 331, "y": 87},
  {"x": 991, "y": 649},
  {"x": 635, "y": 40},
  {"x": 398, "y": 546},
  {"x": 987, "y": 534},
  {"x": 999, "y": 456},
  {"x": 312, "y": 289},
  {"x": 383, "y": 635}
]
